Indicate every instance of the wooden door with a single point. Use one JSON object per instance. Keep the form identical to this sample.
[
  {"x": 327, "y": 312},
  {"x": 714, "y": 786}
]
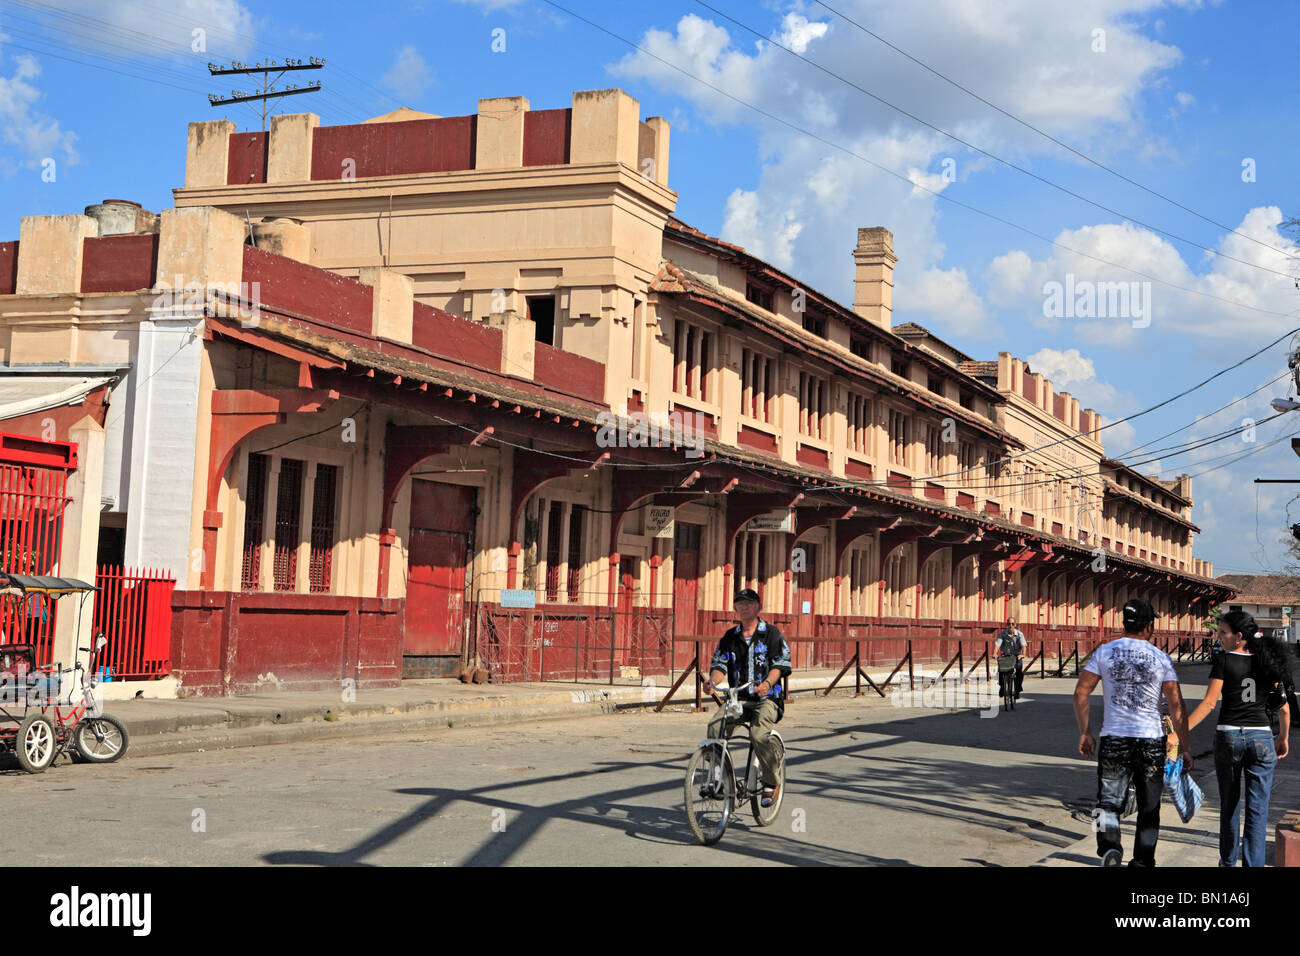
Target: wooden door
[{"x": 437, "y": 558}]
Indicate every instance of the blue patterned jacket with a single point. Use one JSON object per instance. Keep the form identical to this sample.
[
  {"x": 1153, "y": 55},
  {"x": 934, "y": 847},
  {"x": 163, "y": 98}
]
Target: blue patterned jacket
[{"x": 743, "y": 662}]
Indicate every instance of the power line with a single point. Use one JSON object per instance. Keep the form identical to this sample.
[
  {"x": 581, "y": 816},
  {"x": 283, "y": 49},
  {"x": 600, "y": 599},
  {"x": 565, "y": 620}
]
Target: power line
[
  {"x": 102, "y": 31},
  {"x": 905, "y": 179},
  {"x": 1066, "y": 146},
  {"x": 994, "y": 156}
]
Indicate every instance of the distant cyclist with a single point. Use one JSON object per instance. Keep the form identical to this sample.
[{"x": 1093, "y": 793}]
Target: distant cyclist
[
  {"x": 754, "y": 650},
  {"x": 1011, "y": 642}
]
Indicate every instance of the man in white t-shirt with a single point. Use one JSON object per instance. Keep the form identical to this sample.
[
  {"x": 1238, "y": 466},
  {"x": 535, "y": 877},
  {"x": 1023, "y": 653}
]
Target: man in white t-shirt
[{"x": 1134, "y": 674}]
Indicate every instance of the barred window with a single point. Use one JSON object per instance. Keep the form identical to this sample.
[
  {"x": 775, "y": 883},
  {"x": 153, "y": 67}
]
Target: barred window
[
  {"x": 933, "y": 451},
  {"x": 899, "y": 437},
  {"x": 859, "y": 422},
  {"x": 750, "y": 560},
  {"x": 254, "y": 519},
  {"x": 322, "y": 528},
  {"x": 758, "y": 377},
  {"x": 692, "y": 361},
  {"x": 966, "y": 462},
  {"x": 288, "y": 524},
  {"x": 812, "y": 405}
]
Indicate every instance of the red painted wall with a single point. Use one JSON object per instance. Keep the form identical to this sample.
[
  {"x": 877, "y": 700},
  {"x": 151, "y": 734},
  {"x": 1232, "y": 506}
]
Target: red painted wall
[
  {"x": 760, "y": 441},
  {"x": 393, "y": 149},
  {"x": 546, "y": 137},
  {"x": 307, "y": 291},
  {"x": 246, "y": 160},
  {"x": 119, "y": 263},
  {"x": 8, "y": 267},
  {"x": 567, "y": 373},
  {"x": 455, "y": 338},
  {"x": 231, "y": 643},
  {"x": 812, "y": 457},
  {"x": 858, "y": 469}
]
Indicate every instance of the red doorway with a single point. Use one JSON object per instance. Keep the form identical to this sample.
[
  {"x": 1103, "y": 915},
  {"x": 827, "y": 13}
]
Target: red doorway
[
  {"x": 806, "y": 599},
  {"x": 442, "y": 518},
  {"x": 686, "y": 570}
]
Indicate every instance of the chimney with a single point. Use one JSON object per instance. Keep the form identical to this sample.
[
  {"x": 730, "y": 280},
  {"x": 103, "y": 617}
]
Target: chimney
[{"x": 873, "y": 279}]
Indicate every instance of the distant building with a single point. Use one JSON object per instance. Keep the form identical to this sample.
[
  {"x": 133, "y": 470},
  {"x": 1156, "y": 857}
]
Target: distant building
[{"x": 1273, "y": 600}]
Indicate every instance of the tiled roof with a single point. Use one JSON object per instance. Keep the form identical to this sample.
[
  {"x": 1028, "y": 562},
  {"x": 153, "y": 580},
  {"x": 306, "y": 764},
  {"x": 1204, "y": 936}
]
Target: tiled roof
[
  {"x": 1268, "y": 589},
  {"x": 980, "y": 369}
]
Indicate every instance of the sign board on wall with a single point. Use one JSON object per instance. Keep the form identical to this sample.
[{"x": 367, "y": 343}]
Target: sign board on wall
[
  {"x": 659, "y": 522},
  {"x": 511, "y": 598},
  {"x": 780, "y": 520}
]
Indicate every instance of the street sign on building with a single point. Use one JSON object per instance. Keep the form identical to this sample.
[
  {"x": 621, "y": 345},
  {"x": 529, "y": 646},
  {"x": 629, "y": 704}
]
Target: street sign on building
[
  {"x": 511, "y": 598},
  {"x": 659, "y": 522},
  {"x": 780, "y": 520}
]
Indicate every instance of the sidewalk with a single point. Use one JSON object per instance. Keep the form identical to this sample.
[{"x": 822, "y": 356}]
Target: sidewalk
[{"x": 175, "y": 725}]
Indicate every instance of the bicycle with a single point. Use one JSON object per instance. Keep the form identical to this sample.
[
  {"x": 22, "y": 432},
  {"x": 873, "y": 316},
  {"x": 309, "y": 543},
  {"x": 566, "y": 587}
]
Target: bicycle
[
  {"x": 712, "y": 787},
  {"x": 1007, "y": 682}
]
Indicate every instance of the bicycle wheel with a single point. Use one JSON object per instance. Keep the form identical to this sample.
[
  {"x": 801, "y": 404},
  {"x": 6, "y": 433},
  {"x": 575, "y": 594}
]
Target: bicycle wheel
[
  {"x": 766, "y": 816},
  {"x": 710, "y": 796},
  {"x": 100, "y": 739},
  {"x": 36, "y": 743}
]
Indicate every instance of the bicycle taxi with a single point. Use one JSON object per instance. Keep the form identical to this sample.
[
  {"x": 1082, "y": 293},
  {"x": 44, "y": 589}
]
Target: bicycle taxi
[{"x": 41, "y": 713}]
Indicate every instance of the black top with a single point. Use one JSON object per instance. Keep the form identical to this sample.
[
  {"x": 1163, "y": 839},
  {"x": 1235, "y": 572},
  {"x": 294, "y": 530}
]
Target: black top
[{"x": 1244, "y": 693}]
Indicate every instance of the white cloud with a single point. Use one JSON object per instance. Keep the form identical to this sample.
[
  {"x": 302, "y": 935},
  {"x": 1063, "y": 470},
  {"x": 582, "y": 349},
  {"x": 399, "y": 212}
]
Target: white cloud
[
  {"x": 947, "y": 296},
  {"x": 34, "y": 135},
  {"x": 798, "y": 32},
  {"x": 409, "y": 75},
  {"x": 160, "y": 28},
  {"x": 1033, "y": 59},
  {"x": 1069, "y": 370},
  {"x": 1184, "y": 102},
  {"x": 1185, "y": 302}
]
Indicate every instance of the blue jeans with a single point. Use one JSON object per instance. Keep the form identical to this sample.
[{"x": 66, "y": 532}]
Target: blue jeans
[
  {"x": 1248, "y": 754},
  {"x": 1121, "y": 761}
]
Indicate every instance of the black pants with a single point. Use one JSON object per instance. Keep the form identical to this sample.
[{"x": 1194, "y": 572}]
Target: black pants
[{"x": 1119, "y": 761}]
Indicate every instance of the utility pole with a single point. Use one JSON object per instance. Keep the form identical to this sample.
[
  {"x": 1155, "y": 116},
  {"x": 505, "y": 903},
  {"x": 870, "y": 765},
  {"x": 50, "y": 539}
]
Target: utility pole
[{"x": 268, "y": 91}]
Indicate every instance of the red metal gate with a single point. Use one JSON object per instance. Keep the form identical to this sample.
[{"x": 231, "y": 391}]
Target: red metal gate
[
  {"x": 32, "y": 502},
  {"x": 133, "y": 610}
]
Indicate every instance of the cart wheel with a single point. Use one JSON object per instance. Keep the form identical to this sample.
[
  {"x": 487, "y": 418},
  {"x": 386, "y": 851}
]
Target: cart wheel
[
  {"x": 100, "y": 739},
  {"x": 36, "y": 743}
]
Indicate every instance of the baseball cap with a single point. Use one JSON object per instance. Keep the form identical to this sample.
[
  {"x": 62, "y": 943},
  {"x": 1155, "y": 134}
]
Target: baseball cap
[
  {"x": 748, "y": 594},
  {"x": 1138, "y": 613}
]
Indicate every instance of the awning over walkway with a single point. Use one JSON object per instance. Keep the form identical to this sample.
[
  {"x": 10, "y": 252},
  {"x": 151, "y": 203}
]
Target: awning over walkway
[{"x": 23, "y": 394}]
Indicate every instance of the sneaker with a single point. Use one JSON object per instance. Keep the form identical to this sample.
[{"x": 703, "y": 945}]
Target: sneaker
[
  {"x": 770, "y": 795},
  {"x": 1139, "y": 863},
  {"x": 1112, "y": 858}
]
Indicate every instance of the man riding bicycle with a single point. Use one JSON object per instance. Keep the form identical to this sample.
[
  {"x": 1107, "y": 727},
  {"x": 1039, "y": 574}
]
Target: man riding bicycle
[{"x": 754, "y": 650}]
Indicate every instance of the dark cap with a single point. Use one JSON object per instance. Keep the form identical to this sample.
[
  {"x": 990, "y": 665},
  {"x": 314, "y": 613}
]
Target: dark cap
[
  {"x": 748, "y": 594},
  {"x": 1138, "y": 614}
]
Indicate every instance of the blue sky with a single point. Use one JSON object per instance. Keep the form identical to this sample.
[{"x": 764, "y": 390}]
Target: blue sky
[{"x": 1173, "y": 95}]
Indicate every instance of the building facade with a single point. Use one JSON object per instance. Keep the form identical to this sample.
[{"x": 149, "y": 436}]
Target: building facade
[{"x": 382, "y": 384}]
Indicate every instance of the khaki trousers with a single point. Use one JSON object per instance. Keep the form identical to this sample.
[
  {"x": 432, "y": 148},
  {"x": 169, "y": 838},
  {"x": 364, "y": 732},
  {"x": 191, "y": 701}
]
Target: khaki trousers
[{"x": 761, "y": 720}]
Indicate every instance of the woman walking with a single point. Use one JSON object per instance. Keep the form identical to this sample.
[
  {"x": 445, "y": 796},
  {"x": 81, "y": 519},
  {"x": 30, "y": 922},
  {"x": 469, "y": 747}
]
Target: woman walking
[{"x": 1253, "y": 675}]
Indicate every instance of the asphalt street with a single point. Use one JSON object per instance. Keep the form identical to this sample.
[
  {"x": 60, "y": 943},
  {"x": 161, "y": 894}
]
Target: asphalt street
[{"x": 870, "y": 783}]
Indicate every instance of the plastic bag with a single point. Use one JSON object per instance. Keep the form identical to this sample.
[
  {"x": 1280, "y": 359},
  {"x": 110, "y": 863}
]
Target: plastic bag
[{"x": 1186, "y": 794}]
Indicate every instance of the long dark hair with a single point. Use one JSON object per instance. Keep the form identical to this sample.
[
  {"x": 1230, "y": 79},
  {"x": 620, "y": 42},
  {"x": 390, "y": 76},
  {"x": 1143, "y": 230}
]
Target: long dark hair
[{"x": 1274, "y": 656}]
